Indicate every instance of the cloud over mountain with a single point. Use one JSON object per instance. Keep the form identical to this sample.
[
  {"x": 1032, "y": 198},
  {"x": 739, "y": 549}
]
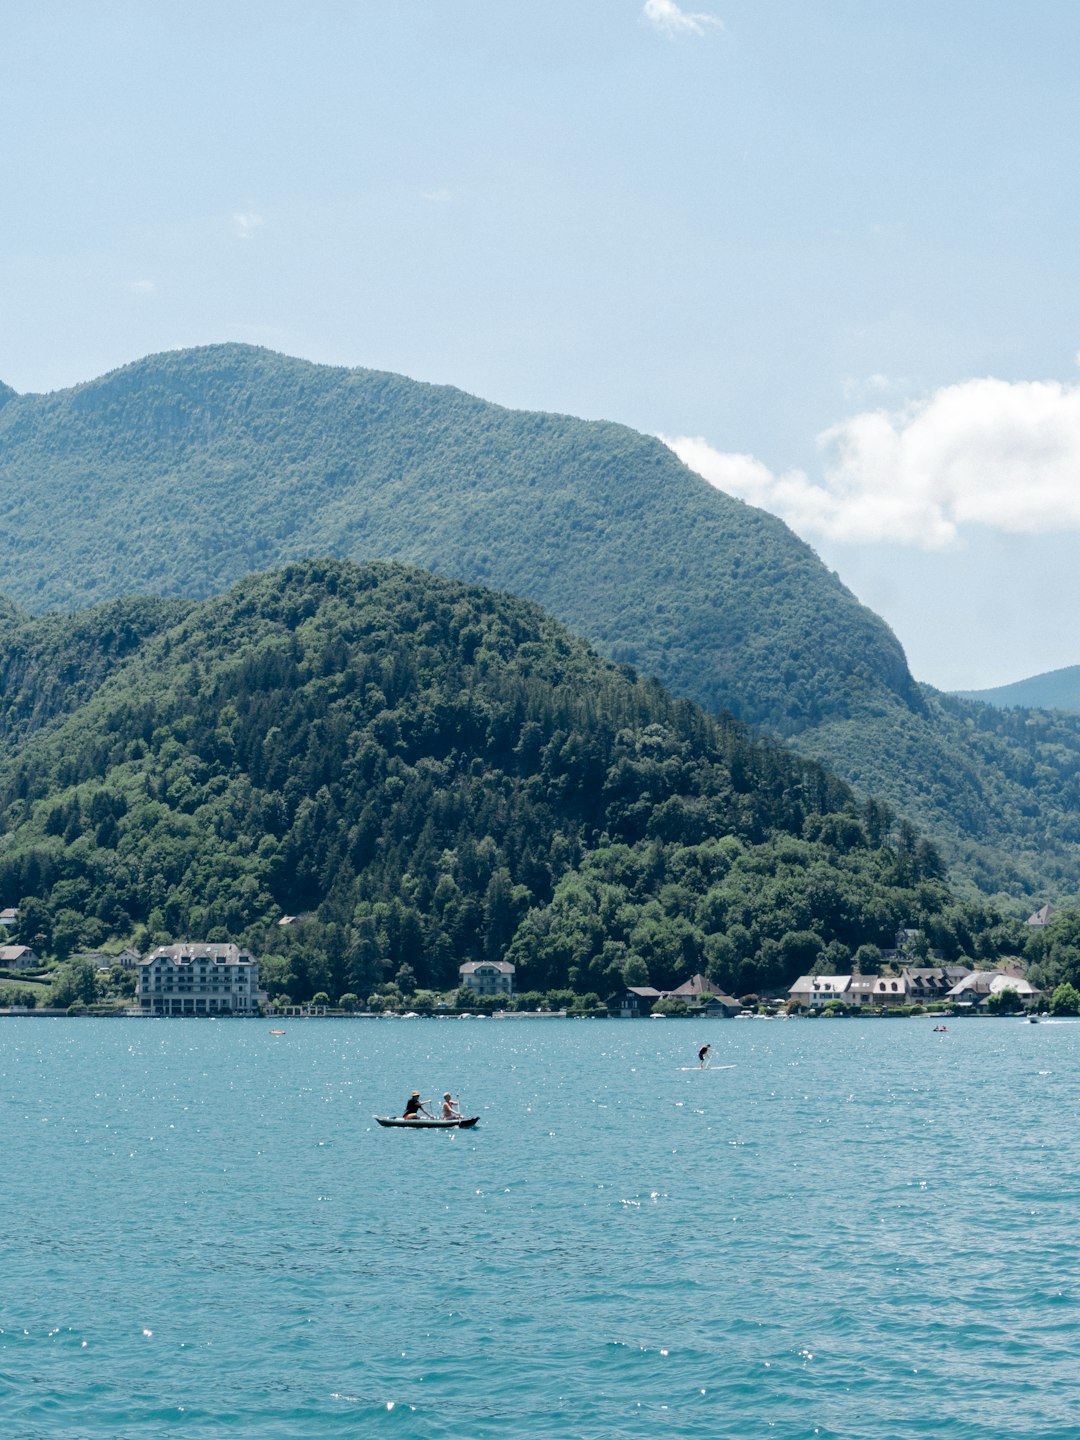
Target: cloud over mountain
[{"x": 992, "y": 453}]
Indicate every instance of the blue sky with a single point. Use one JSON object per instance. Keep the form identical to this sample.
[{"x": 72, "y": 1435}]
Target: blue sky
[{"x": 829, "y": 251}]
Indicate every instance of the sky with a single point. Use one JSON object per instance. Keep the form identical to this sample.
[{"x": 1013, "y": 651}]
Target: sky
[{"x": 828, "y": 252}]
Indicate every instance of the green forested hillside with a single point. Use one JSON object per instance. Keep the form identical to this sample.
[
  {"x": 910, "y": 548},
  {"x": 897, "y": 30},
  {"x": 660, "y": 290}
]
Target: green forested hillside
[
  {"x": 432, "y": 773},
  {"x": 51, "y": 664},
  {"x": 998, "y": 789},
  {"x": 180, "y": 473}
]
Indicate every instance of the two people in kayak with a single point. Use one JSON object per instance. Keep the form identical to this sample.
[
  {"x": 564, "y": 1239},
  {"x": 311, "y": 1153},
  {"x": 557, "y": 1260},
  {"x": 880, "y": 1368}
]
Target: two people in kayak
[{"x": 415, "y": 1107}]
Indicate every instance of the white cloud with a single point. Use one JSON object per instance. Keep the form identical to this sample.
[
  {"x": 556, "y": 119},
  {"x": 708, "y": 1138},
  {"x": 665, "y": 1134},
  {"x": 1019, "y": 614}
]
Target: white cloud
[
  {"x": 142, "y": 287},
  {"x": 245, "y": 223},
  {"x": 437, "y": 197},
  {"x": 991, "y": 453},
  {"x": 667, "y": 16}
]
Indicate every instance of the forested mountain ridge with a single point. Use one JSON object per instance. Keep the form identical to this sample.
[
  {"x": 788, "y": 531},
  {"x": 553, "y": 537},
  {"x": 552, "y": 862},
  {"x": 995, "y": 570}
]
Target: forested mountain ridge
[
  {"x": 433, "y": 773},
  {"x": 180, "y": 473},
  {"x": 998, "y": 789}
]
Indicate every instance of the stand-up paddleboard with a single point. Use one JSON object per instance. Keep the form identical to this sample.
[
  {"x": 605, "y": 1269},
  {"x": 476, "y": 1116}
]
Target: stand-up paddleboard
[
  {"x": 398, "y": 1122},
  {"x": 705, "y": 1067}
]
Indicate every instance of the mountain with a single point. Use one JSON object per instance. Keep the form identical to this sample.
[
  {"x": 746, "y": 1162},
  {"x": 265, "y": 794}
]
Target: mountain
[
  {"x": 429, "y": 773},
  {"x": 178, "y": 474},
  {"x": 1053, "y": 690},
  {"x": 998, "y": 790}
]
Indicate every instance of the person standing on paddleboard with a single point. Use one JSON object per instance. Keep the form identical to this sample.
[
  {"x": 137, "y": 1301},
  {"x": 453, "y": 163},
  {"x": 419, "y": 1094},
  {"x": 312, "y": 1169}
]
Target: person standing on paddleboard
[
  {"x": 703, "y": 1056},
  {"x": 414, "y": 1106}
]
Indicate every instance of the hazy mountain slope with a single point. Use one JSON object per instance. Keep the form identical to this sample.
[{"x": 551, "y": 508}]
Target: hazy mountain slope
[
  {"x": 440, "y": 774},
  {"x": 998, "y": 789},
  {"x": 179, "y": 473},
  {"x": 1054, "y": 690}
]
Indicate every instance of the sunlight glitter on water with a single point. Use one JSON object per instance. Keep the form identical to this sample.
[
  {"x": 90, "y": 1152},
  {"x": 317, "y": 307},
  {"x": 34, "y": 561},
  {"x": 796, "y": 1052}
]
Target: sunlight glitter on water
[{"x": 792, "y": 1250}]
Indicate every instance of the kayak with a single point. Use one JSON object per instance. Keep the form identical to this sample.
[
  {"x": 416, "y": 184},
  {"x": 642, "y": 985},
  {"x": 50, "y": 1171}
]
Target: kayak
[{"x": 399, "y": 1121}]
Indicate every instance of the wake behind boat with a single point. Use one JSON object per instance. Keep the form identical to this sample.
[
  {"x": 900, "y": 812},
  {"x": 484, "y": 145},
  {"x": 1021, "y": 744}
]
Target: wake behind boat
[{"x": 419, "y": 1123}]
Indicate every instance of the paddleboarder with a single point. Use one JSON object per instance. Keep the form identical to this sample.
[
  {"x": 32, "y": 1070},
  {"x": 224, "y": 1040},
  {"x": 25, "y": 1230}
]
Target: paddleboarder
[{"x": 703, "y": 1056}]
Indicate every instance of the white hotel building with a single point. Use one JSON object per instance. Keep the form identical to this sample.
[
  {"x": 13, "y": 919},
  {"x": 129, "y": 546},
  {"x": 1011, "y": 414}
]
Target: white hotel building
[{"x": 199, "y": 980}]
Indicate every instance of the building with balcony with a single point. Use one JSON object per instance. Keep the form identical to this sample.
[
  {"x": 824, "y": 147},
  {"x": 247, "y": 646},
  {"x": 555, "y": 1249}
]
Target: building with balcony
[
  {"x": 199, "y": 979},
  {"x": 488, "y": 977}
]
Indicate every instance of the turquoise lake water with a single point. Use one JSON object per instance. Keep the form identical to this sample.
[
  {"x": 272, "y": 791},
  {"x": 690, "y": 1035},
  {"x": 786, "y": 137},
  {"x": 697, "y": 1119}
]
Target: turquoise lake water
[{"x": 862, "y": 1229}]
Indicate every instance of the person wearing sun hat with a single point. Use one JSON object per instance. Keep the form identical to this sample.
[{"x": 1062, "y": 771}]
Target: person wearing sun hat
[{"x": 414, "y": 1107}]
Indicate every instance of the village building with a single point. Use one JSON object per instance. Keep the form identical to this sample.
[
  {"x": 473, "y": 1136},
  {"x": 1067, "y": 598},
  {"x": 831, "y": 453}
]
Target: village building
[
  {"x": 9, "y": 916},
  {"x": 889, "y": 990},
  {"x": 976, "y": 988},
  {"x": 810, "y": 992},
  {"x": 488, "y": 977},
  {"x": 699, "y": 993},
  {"x": 199, "y": 979},
  {"x": 860, "y": 990},
  {"x": 18, "y": 957},
  {"x": 927, "y": 983},
  {"x": 1041, "y": 917},
  {"x": 636, "y": 1001},
  {"x": 912, "y": 985}
]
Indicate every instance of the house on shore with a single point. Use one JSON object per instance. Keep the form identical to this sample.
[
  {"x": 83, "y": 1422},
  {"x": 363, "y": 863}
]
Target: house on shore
[
  {"x": 488, "y": 977},
  {"x": 976, "y": 988},
  {"x": 199, "y": 979},
  {"x": 699, "y": 993},
  {"x": 927, "y": 983},
  {"x": 9, "y": 916},
  {"x": 914, "y": 985},
  {"x": 636, "y": 1001},
  {"x": 18, "y": 957},
  {"x": 810, "y": 992}
]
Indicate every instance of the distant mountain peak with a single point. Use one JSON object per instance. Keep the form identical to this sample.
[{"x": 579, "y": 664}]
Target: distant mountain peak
[
  {"x": 182, "y": 471},
  {"x": 1052, "y": 690}
]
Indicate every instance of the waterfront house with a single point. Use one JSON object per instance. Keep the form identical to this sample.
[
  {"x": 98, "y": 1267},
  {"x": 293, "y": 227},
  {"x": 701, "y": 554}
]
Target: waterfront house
[
  {"x": 860, "y": 990},
  {"x": 488, "y": 977},
  {"x": 199, "y": 979},
  {"x": 636, "y": 1001},
  {"x": 701, "y": 994},
  {"x": 9, "y": 916},
  {"x": 18, "y": 957},
  {"x": 889, "y": 990},
  {"x": 977, "y": 987},
  {"x": 928, "y": 983},
  {"x": 810, "y": 992}
]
